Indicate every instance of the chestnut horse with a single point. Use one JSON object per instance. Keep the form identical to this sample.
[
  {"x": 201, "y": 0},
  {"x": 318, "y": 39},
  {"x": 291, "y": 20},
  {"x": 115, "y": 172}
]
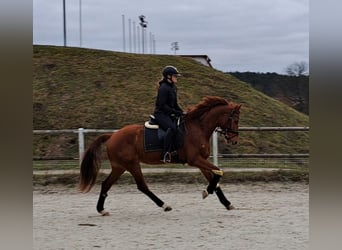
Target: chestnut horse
[{"x": 125, "y": 150}]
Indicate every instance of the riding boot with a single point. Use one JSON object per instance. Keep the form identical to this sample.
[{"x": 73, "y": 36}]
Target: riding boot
[{"x": 166, "y": 155}]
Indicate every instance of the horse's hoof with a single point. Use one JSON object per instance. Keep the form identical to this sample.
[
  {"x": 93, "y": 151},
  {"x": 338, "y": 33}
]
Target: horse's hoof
[
  {"x": 205, "y": 194},
  {"x": 230, "y": 207},
  {"x": 104, "y": 213},
  {"x": 167, "y": 208}
]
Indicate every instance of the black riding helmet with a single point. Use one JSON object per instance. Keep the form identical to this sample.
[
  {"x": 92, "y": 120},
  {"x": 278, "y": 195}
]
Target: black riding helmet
[{"x": 170, "y": 70}]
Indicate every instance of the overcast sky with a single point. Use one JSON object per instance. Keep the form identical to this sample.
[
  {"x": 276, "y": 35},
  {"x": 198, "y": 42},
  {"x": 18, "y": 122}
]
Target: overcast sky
[{"x": 237, "y": 35}]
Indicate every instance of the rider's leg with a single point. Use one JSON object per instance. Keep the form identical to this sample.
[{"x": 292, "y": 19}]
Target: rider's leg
[
  {"x": 166, "y": 123},
  {"x": 167, "y": 145}
]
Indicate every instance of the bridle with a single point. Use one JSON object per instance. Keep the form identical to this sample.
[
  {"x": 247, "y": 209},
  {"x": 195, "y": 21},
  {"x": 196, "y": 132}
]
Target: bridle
[{"x": 228, "y": 129}]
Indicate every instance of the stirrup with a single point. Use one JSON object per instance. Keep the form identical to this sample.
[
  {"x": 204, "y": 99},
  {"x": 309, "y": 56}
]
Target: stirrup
[
  {"x": 166, "y": 157},
  {"x": 174, "y": 153}
]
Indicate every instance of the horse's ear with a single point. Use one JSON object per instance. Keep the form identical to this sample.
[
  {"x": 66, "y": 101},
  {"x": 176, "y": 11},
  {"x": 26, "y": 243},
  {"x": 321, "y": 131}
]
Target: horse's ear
[{"x": 238, "y": 107}]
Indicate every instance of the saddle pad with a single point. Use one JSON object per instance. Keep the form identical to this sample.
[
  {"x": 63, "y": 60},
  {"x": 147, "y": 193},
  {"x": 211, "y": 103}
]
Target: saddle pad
[{"x": 151, "y": 140}]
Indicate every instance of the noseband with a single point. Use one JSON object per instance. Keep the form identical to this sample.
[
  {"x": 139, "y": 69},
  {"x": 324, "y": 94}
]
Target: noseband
[{"x": 228, "y": 129}]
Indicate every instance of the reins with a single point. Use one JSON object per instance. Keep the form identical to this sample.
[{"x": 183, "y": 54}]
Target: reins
[{"x": 227, "y": 130}]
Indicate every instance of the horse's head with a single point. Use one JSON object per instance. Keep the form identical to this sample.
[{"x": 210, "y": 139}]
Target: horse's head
[
  {"x": 230, "y": 124},
  {"x": 213, "y": 112}
]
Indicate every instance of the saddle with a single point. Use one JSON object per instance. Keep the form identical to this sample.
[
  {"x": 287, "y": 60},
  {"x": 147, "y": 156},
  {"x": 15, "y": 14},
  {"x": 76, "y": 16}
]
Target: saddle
[
  {"x": 154, "y": 135},
  {"x": 151, "y": 123}
]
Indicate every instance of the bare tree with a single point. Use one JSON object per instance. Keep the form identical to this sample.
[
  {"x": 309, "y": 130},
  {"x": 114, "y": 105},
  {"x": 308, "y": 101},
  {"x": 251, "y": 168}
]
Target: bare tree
[{"x": 297, "y": 69}]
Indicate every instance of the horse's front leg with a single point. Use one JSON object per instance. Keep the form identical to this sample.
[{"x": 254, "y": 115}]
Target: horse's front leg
[
  {"x": 210, "y": 171},
  {"x": 213, "y": 177},
  {"x": 223, "y": 198}
]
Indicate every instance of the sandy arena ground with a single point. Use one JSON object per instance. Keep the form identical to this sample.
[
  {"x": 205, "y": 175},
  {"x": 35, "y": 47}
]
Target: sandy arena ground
[{"x": 268, "y": 216}]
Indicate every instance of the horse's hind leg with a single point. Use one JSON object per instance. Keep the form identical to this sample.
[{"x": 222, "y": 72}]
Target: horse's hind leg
[
  {"x": 142, "y": 186},
  {"x": 106, "y": 185},
  {"x": 225, "y": 202}
]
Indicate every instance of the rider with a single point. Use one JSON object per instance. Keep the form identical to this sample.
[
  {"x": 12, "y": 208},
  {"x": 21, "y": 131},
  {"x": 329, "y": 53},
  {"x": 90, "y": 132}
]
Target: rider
[{"x": 167, "y": 109}]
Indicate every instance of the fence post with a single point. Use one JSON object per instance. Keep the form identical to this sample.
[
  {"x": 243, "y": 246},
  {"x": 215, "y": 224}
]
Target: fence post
[
  {"x": 80, "y": 143},
  {"x": 215, "y": 149}
]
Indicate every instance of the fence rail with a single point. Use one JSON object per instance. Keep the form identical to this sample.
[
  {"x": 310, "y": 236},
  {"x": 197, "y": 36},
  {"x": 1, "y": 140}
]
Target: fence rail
[
  {"x": 264, "y": 155},
  {"x": 274, "y": 128},
  {"x": 81, "y": 132}
]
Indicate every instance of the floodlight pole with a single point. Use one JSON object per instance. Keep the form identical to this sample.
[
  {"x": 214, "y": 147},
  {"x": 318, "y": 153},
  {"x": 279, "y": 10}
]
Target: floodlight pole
[
  {"x": 134, "y": 37},
  {"x": 143, "y": 25},
  {"x": 80, "y": 12},
  {"x": 143, "y": 40},
  {"x": 130, "y": 34},
  {"x": 64, "y": 23},
  {"x": 138, "y": 36},
  {"x": 123, "y": 34}
]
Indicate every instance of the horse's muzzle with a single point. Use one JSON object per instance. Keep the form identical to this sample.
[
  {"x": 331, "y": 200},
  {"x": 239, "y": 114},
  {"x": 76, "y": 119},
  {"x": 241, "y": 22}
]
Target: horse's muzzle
[
  {"x": 233, "y": 139},
  {"x": 232, "y": 142}
]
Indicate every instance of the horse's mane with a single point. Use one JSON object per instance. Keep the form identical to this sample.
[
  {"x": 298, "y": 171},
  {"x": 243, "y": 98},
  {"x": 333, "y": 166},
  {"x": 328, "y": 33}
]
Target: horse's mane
[{"x": 204, "y": 106}]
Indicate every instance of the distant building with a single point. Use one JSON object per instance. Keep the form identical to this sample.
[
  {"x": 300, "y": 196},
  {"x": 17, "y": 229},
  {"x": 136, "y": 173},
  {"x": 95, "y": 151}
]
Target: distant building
[{"x": 204, "y": 59}]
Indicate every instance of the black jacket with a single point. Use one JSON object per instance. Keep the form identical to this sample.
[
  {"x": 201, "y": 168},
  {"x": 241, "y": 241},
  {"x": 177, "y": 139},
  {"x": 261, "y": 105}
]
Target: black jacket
[{"x": 166, "y": 101}]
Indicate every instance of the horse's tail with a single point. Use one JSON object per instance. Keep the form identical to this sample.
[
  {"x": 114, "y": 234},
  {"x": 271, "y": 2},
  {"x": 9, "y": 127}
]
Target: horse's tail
[{"x": 91, "y": 163}]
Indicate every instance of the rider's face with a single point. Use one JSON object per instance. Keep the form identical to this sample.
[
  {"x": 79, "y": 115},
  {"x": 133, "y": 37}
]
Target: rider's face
[{"x": 174, "y": 78}]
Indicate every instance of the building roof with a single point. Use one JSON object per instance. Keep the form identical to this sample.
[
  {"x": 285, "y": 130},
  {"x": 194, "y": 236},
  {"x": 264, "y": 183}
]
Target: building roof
[{"x": 204, "y": 59}]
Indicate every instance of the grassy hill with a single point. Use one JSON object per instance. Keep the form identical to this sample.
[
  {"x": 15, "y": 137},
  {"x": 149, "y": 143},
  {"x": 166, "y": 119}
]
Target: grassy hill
[{"x": 76, "y": 87}]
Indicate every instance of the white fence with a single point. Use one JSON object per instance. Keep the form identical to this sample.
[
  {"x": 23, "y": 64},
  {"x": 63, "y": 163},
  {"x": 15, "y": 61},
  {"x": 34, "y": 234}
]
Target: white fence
[{"x": 81, "y": 145}]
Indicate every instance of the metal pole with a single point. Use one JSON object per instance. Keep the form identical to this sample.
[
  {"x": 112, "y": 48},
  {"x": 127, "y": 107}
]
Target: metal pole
[
  {"x": 123, "y": 33},
  {"x": 80, "y": 143},
  {"x": 129, "y": 35},
  {"x": 143, "y": 25},
  {"x": 154, "y": 44},
  {"x": 143, "y": 45},
  {"x": 138, "y": 36},
  {"x": 215, "y": 149},
  {"x": 64, "y": 23},
  {"x": 80, "y": 23},
  {"x": 150, "y": 43},
  {"x": 134, "y": 38}
]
